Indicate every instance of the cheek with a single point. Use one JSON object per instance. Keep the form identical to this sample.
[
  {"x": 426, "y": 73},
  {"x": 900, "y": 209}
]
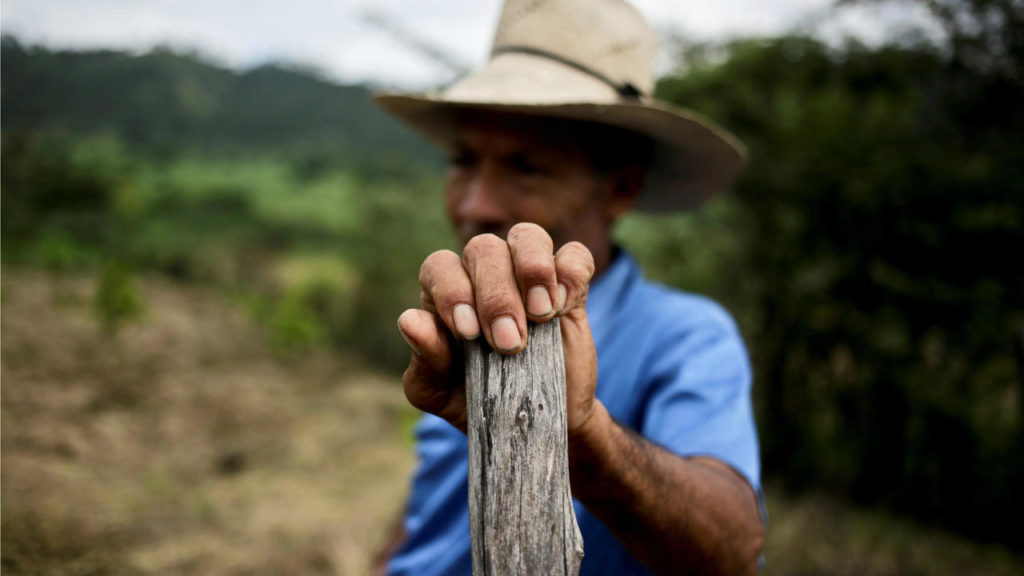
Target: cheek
[
  {"x": 454, "y": 193},
  {"x": 578, "y": 214},
  {"x": 575, "y": 201}
]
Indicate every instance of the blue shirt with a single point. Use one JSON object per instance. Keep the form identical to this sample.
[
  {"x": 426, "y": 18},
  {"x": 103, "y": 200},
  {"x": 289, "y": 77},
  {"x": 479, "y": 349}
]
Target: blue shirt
[{"x": 671, "y": 365}]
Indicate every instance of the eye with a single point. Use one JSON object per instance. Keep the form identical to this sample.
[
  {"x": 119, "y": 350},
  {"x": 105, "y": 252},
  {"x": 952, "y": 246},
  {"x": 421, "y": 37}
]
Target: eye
[
  {"x": 462, "y": 159},
  {"x": 525, "y": 166}
]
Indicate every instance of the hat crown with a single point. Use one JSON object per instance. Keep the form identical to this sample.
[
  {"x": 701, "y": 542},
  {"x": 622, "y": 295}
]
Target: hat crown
[
  {"x": 608, "y": 37},
  {"x": 586, "y": 61}
]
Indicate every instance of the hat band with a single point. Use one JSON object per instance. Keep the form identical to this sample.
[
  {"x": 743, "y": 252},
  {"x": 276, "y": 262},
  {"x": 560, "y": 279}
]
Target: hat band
[{"x": 625, "y": 89}]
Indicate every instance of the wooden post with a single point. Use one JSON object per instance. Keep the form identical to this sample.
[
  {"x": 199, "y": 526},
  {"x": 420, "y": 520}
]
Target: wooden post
[{"x": 521, "y": 518}]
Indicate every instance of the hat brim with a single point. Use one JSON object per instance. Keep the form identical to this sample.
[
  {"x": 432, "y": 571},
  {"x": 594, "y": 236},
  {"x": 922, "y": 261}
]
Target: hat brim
[{"x": 693, "y": 158}]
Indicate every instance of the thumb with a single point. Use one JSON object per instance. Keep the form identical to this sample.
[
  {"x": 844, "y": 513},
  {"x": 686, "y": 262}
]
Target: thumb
[{"x": 433, "y": 382}]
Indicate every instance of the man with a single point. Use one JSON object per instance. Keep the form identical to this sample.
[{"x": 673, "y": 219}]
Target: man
[{"x": 552, "y": 141}]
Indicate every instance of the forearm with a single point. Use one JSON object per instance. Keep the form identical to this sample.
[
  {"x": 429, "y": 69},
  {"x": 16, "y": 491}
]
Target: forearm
[{"x": 675, "y": 515}]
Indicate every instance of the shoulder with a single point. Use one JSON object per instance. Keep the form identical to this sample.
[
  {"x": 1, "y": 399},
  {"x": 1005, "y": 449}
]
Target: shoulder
[
  {"x": 626, "y": 294},
  {"x": 672, "y": 311},
  {"x": 691, "y": 340}
]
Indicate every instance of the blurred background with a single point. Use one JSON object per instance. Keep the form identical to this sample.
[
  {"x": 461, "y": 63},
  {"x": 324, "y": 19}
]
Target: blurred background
[{"x": 208, "y": 232}]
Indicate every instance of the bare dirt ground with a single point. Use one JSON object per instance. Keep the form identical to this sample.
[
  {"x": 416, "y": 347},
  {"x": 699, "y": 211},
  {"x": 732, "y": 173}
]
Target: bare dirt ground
[{"x": 184, "y": 446}]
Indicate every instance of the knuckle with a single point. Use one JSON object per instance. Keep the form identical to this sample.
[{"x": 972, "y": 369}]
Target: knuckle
[
  {"x": 536, "y": 269},
  {"x": 578, "y": 249},
  {"x": 482, "y": 244},
  {"x": 435, "y": 262},
  {"x": 406, "y": 318},
  {"x": 572, "y": 280},
  {"x": 525, "y": 230},
  {"x": 529, "y": 237},
  {"x": 429, "y": 304},
  {"x": 497, "y": 303},
  {"x": 578, "y": 258},
  {"x": 575, "y": 265}
]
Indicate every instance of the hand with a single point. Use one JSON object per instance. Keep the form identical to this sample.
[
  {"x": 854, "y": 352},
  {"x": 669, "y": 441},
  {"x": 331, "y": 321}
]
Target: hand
[{"x": 492, "y": 291}]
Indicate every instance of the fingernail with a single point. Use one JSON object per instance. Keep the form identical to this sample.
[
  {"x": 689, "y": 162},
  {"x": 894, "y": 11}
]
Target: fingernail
[
  {"x": 505, "y": 334},
  {"x": 466, "y": 323},
  {"x": 562, "y": 295},
  {"x": 538, "y": 301},
  {"x": 409, "y": 341}
]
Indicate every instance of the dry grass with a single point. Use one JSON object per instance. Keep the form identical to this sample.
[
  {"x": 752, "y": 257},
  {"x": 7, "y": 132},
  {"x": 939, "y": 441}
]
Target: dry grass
[
  {"x": 184, "y": 446},
  {"x": 818, "y": 535}
]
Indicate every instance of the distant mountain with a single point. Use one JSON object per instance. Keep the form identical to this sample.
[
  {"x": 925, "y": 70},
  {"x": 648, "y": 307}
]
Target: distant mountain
[{"x": 164, "y": 101}]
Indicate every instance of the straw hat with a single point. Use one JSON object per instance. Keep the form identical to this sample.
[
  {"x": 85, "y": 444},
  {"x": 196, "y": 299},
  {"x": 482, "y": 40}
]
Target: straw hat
[{"x": 588, "y": 60}]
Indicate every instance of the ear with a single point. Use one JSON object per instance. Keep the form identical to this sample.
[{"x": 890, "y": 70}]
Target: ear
[{"x": 626, "y": 184}]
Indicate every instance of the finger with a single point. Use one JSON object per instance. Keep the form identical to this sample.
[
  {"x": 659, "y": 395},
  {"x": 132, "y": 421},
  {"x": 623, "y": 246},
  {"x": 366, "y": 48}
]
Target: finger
[
  {"x": 446, "y": 291},
  {"x": 574, "y": 266},
  {"x": 434, "y": 380},
  {"x": 499, "y": 305},
  {"x": 534, "y": 264}
]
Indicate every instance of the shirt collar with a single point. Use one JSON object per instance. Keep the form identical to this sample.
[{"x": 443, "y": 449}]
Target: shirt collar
[{"x": 608, "y": 291}]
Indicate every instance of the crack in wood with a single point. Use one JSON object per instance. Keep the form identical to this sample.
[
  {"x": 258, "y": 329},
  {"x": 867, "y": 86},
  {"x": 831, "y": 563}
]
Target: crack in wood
[{"x": 522, "y": 520}]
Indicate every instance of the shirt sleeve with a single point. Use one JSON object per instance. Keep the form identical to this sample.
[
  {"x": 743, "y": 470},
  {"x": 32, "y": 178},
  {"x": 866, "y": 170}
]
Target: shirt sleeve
[
  {"x": 699, "y": 397},
  {"x": 436, "y": 517}
]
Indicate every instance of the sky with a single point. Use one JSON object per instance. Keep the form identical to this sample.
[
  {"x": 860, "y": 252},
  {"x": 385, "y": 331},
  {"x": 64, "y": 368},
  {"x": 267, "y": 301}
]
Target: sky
[{"x": 374, "y": 41}]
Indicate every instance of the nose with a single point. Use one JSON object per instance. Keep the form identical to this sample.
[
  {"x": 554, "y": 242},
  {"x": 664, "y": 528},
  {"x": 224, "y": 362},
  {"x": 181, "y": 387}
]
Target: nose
[{"x": 482, "y": 201}]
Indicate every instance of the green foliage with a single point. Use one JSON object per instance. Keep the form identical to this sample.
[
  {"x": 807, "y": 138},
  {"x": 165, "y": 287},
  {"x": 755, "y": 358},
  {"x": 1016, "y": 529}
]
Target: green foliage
[
  {"x": 216, "y": 176},
  {"x": 868, "y": 252},
  {"x": 687, "y": 250},
  {"x": 986, "y": 36},
  {"x": 117, "y": 299},
  {"x": 57, "y": 252},
  {"x": 295, "y": 324},
  {"x": 314, "y": 303},
  {"x": 162, "y": 103},
  {"x": 49, "y": 191},
  {"x": 876, "y": 233},
  {"x": 408, "y": 224},
  {"x": 246, "y": 223}
]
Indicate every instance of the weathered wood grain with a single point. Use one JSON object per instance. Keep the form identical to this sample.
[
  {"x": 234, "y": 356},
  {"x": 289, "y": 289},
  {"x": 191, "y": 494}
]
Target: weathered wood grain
[{"x": 520, "y": 509}]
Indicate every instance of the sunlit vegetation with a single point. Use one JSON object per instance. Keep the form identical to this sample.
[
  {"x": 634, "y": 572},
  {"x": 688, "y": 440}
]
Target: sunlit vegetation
[{"x": 202, "y": 271}]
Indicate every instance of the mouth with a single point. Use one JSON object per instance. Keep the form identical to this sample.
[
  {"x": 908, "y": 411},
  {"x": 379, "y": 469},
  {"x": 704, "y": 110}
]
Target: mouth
[{"x": 468, "y": 230}]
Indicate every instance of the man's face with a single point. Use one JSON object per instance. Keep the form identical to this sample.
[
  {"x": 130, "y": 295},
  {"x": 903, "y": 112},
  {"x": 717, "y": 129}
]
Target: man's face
[{"x": 506, "y": 169}]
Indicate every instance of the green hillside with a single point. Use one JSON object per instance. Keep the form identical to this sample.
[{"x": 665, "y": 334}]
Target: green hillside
[
  {"x": 165, "y": 101},
  {"x": 166, "y": 162}
]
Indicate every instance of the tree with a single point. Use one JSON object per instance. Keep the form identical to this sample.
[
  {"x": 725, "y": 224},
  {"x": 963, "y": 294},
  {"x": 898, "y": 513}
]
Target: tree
[{"x": 878, "y": 227}]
